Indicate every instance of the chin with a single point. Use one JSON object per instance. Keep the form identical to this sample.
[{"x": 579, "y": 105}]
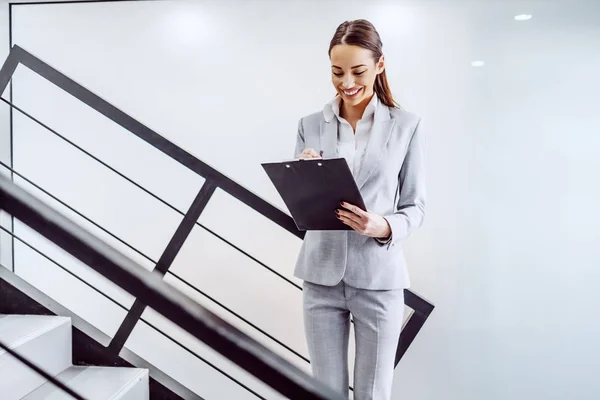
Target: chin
[{"x": 354, "y": 102}]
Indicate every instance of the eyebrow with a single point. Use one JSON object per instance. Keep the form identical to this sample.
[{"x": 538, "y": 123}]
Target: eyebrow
[{"x": 356, "y": 66}]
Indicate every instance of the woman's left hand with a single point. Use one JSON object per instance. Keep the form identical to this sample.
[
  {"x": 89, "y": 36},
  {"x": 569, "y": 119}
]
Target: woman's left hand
[{"x": 364, "y": 222}]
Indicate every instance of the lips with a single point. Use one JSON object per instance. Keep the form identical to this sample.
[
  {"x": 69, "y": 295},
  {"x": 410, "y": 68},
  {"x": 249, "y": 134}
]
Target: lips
[{"x": 350, "y": 93}]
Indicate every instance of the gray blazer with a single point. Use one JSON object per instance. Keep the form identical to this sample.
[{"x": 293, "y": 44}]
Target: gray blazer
[{"x": 392, "y": 183}]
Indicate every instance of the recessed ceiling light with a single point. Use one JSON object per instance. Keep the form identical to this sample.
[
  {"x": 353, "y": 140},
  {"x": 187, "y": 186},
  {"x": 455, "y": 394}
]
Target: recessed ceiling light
[
  {"x": 477, "y": 63},
  {"x": 523, "y": 17}
]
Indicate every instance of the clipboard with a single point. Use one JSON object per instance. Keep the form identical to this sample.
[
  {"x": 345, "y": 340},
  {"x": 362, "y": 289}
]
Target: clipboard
[{"x": 312, "y": 190}]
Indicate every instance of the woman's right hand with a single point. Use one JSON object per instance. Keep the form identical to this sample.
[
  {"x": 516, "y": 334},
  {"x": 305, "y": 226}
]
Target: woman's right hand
[{"x": 309, "y": 153}]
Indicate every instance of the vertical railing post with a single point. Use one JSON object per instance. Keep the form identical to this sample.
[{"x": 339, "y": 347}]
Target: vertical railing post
[
  {"x": 164, "y": 263},
  {"x": 7, "y": 250}
]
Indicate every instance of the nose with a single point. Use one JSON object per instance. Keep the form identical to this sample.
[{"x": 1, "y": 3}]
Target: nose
[{"x": 347, "y": 83}]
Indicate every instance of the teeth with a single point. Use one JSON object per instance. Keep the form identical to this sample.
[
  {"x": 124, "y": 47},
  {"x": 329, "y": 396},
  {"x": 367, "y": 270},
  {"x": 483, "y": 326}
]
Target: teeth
[{"x": 347, "y": 93}]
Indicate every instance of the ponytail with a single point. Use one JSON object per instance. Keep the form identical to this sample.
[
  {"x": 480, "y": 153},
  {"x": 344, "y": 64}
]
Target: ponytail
[{"x": 383, "y": 91}]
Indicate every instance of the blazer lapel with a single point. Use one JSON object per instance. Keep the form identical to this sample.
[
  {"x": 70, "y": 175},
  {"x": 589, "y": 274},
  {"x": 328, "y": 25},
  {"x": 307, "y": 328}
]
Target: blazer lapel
[
  {"x": 329, "y": 138},
  {"x": 380, "y": 135}
]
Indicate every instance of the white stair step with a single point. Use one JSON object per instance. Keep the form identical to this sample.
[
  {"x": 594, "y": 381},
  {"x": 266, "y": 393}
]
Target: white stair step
[
  {"x": 97, "y": 383},
  {"x": 43, "y": 340}
]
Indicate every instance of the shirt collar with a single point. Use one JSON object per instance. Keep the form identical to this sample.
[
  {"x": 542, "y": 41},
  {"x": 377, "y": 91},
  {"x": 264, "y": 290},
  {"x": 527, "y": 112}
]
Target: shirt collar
[{"x": 332, "y": 108}]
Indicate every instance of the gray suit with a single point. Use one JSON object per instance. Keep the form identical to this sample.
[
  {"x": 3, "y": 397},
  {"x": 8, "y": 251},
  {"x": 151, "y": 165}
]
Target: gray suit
[
  {"x": 391, "y": 181},
  {"x": 346, "y": 273}
]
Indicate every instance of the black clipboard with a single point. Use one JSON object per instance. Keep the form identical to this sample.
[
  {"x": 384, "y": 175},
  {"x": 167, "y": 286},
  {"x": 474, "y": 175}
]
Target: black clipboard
[{"x": 312, "y": 190}]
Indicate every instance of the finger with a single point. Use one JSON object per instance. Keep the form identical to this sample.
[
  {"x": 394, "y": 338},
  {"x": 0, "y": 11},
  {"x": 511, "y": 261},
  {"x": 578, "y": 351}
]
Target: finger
[
  {"x": 356, "y": 210},
  {"x": 349, "y": 215},
  {"x": 307, "y": 155},
  {"x": 351, "y": 223},
  {"x": 312, "y": 153}
]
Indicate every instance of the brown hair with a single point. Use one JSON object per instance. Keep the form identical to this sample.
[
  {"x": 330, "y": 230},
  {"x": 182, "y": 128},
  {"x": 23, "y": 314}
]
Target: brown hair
[{"x": 362, "y": 33}]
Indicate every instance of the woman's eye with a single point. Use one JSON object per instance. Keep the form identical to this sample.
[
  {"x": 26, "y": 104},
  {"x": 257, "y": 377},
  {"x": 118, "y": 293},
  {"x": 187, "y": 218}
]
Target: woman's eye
[{"x": 356, "y": 73}]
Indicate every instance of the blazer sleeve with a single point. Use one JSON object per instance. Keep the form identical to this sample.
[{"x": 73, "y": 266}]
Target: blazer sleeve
[
  {"x": 299, "y": 139},
  {"x": 410, "y": 208}
]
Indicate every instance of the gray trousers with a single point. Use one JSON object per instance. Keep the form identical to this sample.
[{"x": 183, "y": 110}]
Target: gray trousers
[{"x": 378, "y": 318}]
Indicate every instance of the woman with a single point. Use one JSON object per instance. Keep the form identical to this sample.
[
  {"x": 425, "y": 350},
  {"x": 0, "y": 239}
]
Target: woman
[{"x": 361, "y": 272}]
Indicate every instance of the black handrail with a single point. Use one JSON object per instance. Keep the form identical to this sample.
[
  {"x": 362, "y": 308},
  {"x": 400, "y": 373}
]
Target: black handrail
[{"x": 244, "y": 351}]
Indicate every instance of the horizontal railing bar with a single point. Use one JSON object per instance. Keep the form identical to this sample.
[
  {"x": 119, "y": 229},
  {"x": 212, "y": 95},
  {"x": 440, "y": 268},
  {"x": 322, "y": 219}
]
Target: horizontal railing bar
[
  {"x": 62, "y": 267},
  {"x": 154, "y": 139},
  {"x": 93, "y": 157},
  {"x": 38, "y": 187},
  {"x": 262, "y": 264},
  {"x": 238, "y": 316}
]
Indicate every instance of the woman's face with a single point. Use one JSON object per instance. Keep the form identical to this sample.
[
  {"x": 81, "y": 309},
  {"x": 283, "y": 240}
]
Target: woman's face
[{"x": 353, "y": 73}]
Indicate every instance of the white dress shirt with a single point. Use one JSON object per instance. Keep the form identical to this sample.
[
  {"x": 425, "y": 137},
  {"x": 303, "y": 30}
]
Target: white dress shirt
[{"x": 352, "y": 145}]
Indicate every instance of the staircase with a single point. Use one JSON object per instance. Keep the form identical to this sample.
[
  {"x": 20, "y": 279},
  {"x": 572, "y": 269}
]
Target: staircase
[{"x": 46, "y": 342}]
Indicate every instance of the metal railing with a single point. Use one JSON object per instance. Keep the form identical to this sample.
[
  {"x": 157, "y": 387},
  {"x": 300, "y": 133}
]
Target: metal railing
[
  {"x": 149, "y": 288},
  {"x": 213, "y": 180}
]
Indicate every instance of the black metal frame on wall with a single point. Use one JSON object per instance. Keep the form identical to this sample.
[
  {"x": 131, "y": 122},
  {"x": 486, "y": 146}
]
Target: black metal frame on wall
[{"x": 213, "y": 180}]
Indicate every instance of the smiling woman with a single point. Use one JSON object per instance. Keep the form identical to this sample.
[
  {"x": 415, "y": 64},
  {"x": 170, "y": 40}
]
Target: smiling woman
[{"x": 361, "y": 272}]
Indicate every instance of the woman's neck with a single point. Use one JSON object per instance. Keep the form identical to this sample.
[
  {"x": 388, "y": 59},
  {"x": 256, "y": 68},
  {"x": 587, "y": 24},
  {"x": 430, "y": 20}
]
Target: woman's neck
[{"x": 354, "y": 113}]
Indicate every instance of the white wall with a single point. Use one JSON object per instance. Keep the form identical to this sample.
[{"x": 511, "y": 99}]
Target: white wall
[{"x": 507, "y": 253}]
